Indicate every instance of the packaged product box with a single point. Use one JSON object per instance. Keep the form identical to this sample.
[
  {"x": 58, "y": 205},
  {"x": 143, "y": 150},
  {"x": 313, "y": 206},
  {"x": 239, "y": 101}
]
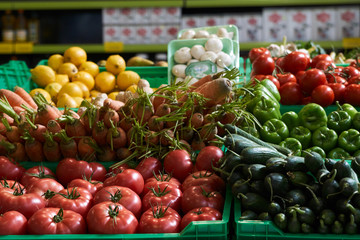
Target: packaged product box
[
  {"x": 252, "y": 28},
  {"x": 111, "y": 33},
  {"x": 142, "y": 34},
  {"x": 323, "y": 24},
  {"x": 158, "y": 34},
  {"x": 348, "y": 22},
  {"x": 157, "y": 15},
  {"x": 190, "y": 22},
  {"x": 171, "y": 32},
  {"x": 127, "y": 15},
  {"x": 142, "y": 15},
  {"x": 234, "y": 19},
  {"x": 211, "y": 20},
  {"x": 173, "y": 15},
  {"x": 110, "y": 15},
  {"x": 127, "y": 34},
  {"x": 299, "y": 24},
  {"x": 275, "y": 22}
]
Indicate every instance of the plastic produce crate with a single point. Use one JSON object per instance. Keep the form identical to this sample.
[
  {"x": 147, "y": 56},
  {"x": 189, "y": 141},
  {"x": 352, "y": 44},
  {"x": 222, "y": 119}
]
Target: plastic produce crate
[
  {"x": 154, "y": 74},
  {"x": 15, "y": 73},
  {"x": 211, "y": 230}
]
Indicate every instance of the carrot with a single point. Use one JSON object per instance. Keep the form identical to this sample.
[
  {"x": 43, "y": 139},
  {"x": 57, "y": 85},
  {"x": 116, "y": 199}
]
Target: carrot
[
  {"x": 33, "y": 148},
  {"x": 51, "y": 148},
  {"x": 70, "y": 112},
  {"x": 68, "y": 146},
  {"x": 18, "y": 110},
  {"x": 123, "y": 153},
  {"x": 154, "y": 124},
  {"x": 12, "y": 132},
  {"x": 16, "y": 151},
  {"x": 152, "y": 137},
  {"x": 166, "y": 137},
  {"x": 125, "y": 124},
  {"x": 142, "y": 112},
  {"x": 197, "y": 120},
  {"x": 103, "y": 154},
  {"x": 99, "y": 133},
  {"x": 45, "y": 111},
  {"x": 215, "y": 91},
  {"x": 9, "y": 119},
  {"x": 162, "y": 110},
  {"x": 89, "y": 116},
  {"x": 37, "y": 130},
  {"x": 113, "y": 104},
  {"x": 54, "y": 127},
  {"x": 85, "y": 150},
  {"x": 116, "y": 137},
  {"x": 158, "y": 100},
  {"x": 13, "y": 98},
  {"x": 74, "y": 127},
  {"x": 208, "y": 131},
  {"x": 186, "y": 133},
  {"x": 111, "y": 115},
  {"x": 26, "y": 96},
  {"x": 201, "y": 81},
  {"x": 197, "y": 144}
]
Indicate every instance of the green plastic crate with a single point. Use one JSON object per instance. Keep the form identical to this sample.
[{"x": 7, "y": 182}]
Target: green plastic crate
[
  {"x": 16, "y": 73},
  {"x": 202, "y": 230},
  {"x": 154, "y": 74}
]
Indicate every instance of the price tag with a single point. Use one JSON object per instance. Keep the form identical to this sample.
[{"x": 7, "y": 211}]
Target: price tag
[
  {"x": 114, "y": 46},
  {"x": 351, "y": 42},
  {"x": 6, "y": 48},
  {"x": 26, "y": 47}
]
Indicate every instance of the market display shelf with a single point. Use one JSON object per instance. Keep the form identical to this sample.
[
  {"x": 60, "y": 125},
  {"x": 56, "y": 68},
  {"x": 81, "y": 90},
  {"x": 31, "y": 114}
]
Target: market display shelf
[{"x": 15, "y": 73}]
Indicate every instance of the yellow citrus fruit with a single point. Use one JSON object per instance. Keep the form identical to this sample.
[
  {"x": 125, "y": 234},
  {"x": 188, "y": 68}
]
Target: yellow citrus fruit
[
  {"x": 68, "y": 68},
  {"x": 75, "y": 55},
  {"x": 90, "y": 67},
  {"x": 53, "y": 89},
  {"x": 62, "y": 79},
  {"x": 55, "y": 61},
  {"x": 105, "y": 82},
  {"x": 84, "y": 89},
  {"x": 78, "y": 101},
  {"x": 72, "y": 89},
  {"x": 113, "y": 95},
  {"x": 127, "y": 78},
  {"x": 42, "y": 75},
  {"x": 66, "y": 100},
  {"x": 101, "y": 63},
  {"x": 132, "y": 88},
  {"x": 84, "y": 77},
  {"x": 94, "y": 93},
  {"x": 43, "y": 92},
  {"x": 115, "y": 64}
]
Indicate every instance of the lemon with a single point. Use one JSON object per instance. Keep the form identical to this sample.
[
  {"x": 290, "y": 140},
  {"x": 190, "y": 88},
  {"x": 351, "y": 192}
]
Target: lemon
[
  {"x": 101, "y": 63},
  {"x": 53, "y": 89},
  {"x": 68, "y": 68},
  {"x": 66, "y": 100},
  {"x": 126, "y": 79},
  {"x": 113, "y": 95},
  {"x": 42, "y": 75},
  {"x": 84, "y": 89},
  {"x": 84, "y": 77},
  {"x": 72, "y": 89},
  {"x": 132, "y": 88},
  {"x": 105, "y": 82},
  {"x": 115, "y": 64},
  {"x": 62, "y": 79},
  {"x": 90, "y": 67},
  {"x": 43, "y": 92},
  {"x": 94, "y": 93},
  {"x": 75, "y": 55},
  {"x": 78, "y": 101},
  {"x": 55, "y": 61}
]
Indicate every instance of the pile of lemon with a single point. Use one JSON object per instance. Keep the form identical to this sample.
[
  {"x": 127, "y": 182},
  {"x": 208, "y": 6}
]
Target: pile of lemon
[{"x": 70, "y": 78}]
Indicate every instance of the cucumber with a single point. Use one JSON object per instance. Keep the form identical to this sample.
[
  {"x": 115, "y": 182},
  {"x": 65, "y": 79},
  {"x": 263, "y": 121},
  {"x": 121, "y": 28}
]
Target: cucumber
[
  {"x": 258, "y": 154},
  {"x": 237, "y": 143}
]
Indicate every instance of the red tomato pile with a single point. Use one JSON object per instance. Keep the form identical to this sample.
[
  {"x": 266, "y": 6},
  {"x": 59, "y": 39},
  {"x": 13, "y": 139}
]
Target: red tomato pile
[
  {"x": 301, "y": 80},
  {"x": 83, "y": 197}
]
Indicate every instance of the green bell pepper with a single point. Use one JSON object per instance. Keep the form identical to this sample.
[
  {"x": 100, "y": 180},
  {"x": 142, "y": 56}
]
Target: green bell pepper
[
  {"x": 356, "y": 121},
  {"x": 338, "y": 153},
  {"x": 266, "y": 109},
  {"x": 291, "y": 119},
  {"x": 302, "y": 134},
  {"x": 259, "y": 92},
  {"x": 293, "y": 144},
  {"x": 350, "y": 109},
  {"x": 357, "y": 153},
  {"x": 271, "y": 87},
  {"x": 274, "y": 131},
  {"x": 252, "y": 130},
  {"x": 339, "y": 120},
  {"x": 317, "y": 149},
  {"x": 312, "y": 116},
  {"x": 325, "y": 138},
  {"x": 350, "y": 140}
]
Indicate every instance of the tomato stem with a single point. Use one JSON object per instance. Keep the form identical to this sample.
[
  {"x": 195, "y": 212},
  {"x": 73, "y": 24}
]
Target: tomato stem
[{"x": 59, "y": 216}]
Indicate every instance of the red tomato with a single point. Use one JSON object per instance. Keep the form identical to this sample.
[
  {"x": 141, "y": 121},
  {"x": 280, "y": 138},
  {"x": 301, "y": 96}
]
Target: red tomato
[
  {"x": 354, "y": 80},
  {"x": 123, "y": 195},
  {"x": 325, "y": 65},
  {"x": 350, "y": 72},
  {"x": 128, "y": 178},
  {"x": 27, "y": 203},
  {"x": 337, "y": 79},
  {"x": 256, "y": 52},
  {"x": 201, "y": 196},
  {"x": 319, "y": 58},
  {"x": 280, "y": 63},
  {"x": 285, "y": 77},
  {"x": 35, "y": 173},
  {"x": 263, "y": 65},
  {"x": 56, "y": 221},
  {"x": 160, "y": 219},
  {"x": 70, "y": 168},
  {"x": 148, "y": 166},
  {"x": 311, "y": 79},
  {"x": 76, "y": 199},
  {"x": 306, "y": 100},
  {"x": 119, "y": 169},
  {"x": 45, "y": 188},
  {"x": 165, "y": 194},
  {"x": 12, "y": 184},
  {"x": 274, "y": 80},
  {"x": 352, "y": 94},
  {"x": 208, "y": 156},
  {"x": 299, "y": 75},
  {"x": 204, "y": 178},
  {"x": 200, "y": 214},
  {"x": 254, "y": 79},
  {"x": 111, "y": 218},
  {"x": 178, "y": 163},
  {"x": 290, "y": 94},
  {"x": 323, "y": 95},
  {"x": 12, "y": 223},
  {"x": 153, "y": 182},
  {"x": 339, "y": 90},
  {"x": 10, "y": 170},
  {"x": 295, "y": 61},
  {"x": 92, "y": 186}
]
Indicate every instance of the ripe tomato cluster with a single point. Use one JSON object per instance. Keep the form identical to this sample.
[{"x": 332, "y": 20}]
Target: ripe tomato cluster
[
  {"x": 84, "y": 197},
  {"x": 301, "y": 80}
]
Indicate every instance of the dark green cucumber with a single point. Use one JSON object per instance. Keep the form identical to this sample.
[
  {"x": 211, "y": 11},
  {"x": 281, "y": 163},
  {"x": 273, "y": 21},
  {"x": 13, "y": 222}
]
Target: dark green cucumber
[
  {"x": 258, "y": 154},
  {"x": 295, "y": 163},
  {"x": 248, "y": 215},
  {"x": 314, "y": 162},
  {"x": 237, "y": 142},
  {"x": 254, "y": 202}
]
